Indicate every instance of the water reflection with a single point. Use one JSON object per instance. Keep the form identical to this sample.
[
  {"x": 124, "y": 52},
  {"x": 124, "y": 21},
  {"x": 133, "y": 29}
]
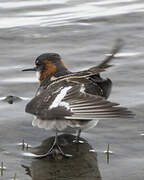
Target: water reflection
[{"x": 81, "y": 166}]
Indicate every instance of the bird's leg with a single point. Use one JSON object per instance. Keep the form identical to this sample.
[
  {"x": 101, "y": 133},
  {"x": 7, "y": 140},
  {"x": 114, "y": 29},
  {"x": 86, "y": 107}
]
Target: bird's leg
[
  {"x": 54, "y": 148},
  {"x": 77, "y": 139},
  {"x": 57, "y": 147}
]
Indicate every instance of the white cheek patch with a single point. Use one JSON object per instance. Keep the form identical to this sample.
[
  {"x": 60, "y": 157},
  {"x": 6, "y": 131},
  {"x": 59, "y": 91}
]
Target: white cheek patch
[
  {"x": 38, "y": 75},
  {"x": 58, "y": 100}
]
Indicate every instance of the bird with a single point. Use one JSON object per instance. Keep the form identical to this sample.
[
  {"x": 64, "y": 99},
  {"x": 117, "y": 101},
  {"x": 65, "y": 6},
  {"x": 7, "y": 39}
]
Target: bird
[{"x": 72, "y": 100}]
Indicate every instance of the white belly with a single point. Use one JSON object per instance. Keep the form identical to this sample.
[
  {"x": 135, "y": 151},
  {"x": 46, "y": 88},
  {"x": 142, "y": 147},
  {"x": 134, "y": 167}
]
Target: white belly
[{"x": 64, "y": 125}]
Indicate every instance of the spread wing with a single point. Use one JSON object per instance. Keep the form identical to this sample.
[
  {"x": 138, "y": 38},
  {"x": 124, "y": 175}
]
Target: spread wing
[
  {"x": 96, "y": 69},
  {"x": 71, "y": 102}
]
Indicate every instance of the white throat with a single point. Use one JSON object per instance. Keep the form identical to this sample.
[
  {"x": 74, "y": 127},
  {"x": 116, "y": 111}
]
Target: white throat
[{"x": 38, "y": 75}]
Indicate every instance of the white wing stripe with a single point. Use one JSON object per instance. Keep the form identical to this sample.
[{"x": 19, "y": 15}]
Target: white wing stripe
[{"x": 59, "y": 97}]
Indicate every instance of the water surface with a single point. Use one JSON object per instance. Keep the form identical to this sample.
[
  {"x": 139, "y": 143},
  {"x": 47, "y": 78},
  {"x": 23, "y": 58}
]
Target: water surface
[{"x": 82, "y": 32}]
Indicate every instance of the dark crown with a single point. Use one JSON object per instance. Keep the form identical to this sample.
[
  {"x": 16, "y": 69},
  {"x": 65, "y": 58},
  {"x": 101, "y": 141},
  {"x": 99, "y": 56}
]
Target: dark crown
[{"x": 54, "y": 57}]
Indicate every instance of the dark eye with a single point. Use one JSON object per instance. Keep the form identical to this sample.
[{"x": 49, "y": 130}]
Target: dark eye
[{"x": 37, "y": 63}]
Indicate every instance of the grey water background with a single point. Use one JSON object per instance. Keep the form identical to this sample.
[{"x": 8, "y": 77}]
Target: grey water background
[{"x": 82, "y": 32}]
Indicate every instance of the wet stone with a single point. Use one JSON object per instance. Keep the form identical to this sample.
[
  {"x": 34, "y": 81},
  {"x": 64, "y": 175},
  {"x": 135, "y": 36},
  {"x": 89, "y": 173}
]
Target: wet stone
[
  {"x": 11, "y": 99},
  {"x": 82, "y": 165}
]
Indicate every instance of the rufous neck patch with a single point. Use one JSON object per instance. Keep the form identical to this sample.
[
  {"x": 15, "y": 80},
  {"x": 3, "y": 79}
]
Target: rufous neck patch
[{"x": 49, "y": 69}]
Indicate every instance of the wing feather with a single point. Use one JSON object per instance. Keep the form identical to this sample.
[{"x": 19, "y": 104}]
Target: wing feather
[{"x": 74, "y": 104}]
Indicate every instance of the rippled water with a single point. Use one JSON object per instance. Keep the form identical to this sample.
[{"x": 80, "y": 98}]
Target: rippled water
[{"x": 83, "y": 32}]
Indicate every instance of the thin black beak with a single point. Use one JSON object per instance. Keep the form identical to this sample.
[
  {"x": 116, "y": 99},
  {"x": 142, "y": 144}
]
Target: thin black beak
[{"x": 32, "y": 69}]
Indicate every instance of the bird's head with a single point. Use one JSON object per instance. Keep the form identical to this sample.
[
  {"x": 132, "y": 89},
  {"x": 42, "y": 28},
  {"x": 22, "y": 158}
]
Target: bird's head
[{"x": 49, "y": 64}]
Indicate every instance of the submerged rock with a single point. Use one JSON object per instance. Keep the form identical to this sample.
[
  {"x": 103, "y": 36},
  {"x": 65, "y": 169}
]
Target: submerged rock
[
  {"x": 11, "y": 99},
  {"x": 81, "y": 166}
]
